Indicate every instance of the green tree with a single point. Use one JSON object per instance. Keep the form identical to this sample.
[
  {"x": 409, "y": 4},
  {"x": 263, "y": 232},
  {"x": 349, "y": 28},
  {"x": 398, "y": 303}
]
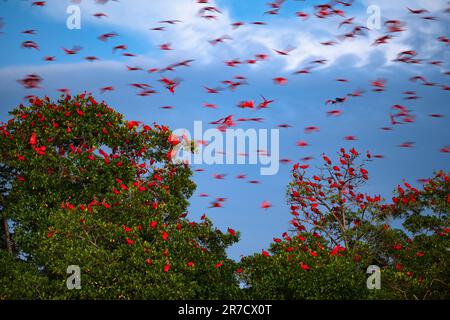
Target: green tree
[
  {"x": 301, "y": 266},
  {"x": 419, "y": 252},
  {"x": 6, "y": 176},
  {"x": 94, "y": 190},
  {"x": 338, "y": 232}
]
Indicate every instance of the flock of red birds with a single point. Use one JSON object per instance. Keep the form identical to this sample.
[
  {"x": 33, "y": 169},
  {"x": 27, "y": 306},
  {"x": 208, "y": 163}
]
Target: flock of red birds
[{"x": 399, "y": 114}]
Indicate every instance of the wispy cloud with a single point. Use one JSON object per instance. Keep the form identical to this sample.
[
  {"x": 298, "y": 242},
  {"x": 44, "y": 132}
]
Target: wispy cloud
[{"x": 190, "y": 37}]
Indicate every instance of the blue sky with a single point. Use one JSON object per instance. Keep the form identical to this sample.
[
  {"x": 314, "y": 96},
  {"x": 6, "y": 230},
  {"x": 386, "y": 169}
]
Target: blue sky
[{"x": 300, "y": 103}]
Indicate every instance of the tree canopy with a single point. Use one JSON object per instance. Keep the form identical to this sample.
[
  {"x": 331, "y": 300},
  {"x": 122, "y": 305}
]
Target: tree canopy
[
  {"x": 94, "y": 190},
  {"x": 80, "y": 185}
]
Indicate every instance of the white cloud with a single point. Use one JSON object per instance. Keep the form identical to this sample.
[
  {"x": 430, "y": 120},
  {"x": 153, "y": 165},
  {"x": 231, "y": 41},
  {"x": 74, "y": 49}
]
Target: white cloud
[{"x": 189, "y": 38}]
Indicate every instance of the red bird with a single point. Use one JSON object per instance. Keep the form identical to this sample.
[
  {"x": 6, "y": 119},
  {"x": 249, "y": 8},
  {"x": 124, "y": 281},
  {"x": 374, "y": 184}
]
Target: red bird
[
  {"x": 119, "y": 47},
  {"x": 382, "y": 40},
  {"x": 334, "y": 113},
  {"x": 434, "y": 115},
  {"x": 215, "y": 204},
  {"x": 445, "y": 149},
  {"x": 246, "y": 104},
  {"x": 209, "y": 9},
  {"x": 30, "y": 31},
  {"x": 165, "y": 46},
  {"x": 394, "y": 26},
  {"x": 264, "y": 253},
  {"x": 170, "y": 21},
  {"x": 261, "y": 56},
  {"x": 232, "y": 63},
  {"x": 272, "y": 12},
  {"x": 64, "y": 91},
  {"x": 444, "y": 39},
  {"x": 30, "y": 45},
  {"x": 129, "y": 68},
  {"x": 379, "y": 84},
  {"x": 209, "y": 17},
  {"x": 212, "y": 90},
  {"x": 91, "y": 58},
  {"x": 236, "y": 25},
  {"x": 407, "y": 144},
  {"x": 219, "y": 40},
  {"x": 104, "y": 89},
  {"x": 100, "y": 15},
  {"x": 158, "y": 29},
  {"x": 72, "y": 51},
  {"x": 303, "y": 71},
  {"x": 345, "y": 4},
  {"x": 302, "y": 143},
  {"x": 106, "y": 36},
  {"x": 328, "y": 43},
  {"x": 140, "y": 85},
  {"x": 33, "y": 139},
  {"x": 265, "y": 205},
  {"x": 280, "y": 81},
  {"x": 303, "y": 15},
  {"x": 417, "y": 11},
  {"x": 132, "y": 124},
  {"x": 210, "y": 105},
  {"x": 346, "y": 21},
  {"x": 265, "y": 103},
  {"x": 166, "y": 268},
  {"x": 31, "y": 81},
  {"x": 304, "y": 266},
  {"x": 219, "y": 176},
  {"x": 284, "y": 52},
  {"x": 312, "y": 129}
]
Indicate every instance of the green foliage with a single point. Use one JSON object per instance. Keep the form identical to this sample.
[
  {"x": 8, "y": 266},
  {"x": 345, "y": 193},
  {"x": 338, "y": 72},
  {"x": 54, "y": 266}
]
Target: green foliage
[
  {"x": 94, "y": 190},
  {"x": 303, "y": 268},
  {"x": 338, "y": 232},
  {"x": 82, "y": 186},
  {"x": 419, "y": 253},
  {"x": 20, "y": 280}
]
